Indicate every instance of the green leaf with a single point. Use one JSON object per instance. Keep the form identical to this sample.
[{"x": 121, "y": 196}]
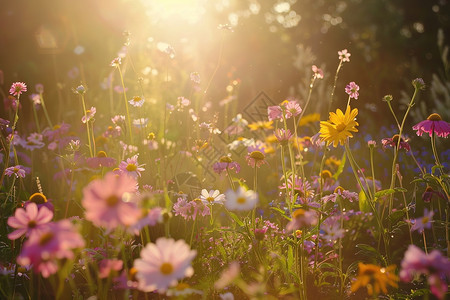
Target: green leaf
[
  {"x": 290, "y": 259},
  {"x": 364, "y": 205},
  {"x": 400, "y": 189},
  {"x": 384, "y": 193},
  {"x": 396, "y": 215},
  {"x": 282, "y": 212},
  {"x": 369, "y": 251},
  {"x": 235, "y": 218},
  {"x": 341, "y": 167}
]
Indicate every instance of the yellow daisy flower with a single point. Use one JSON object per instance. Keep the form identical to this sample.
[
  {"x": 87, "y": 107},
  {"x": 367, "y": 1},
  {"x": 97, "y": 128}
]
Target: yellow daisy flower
[
  {"x": 310, "y": 118},
  {"x": 261, "y": 125},
  {"x": 375, "y": 278},
  {"x": 339, "y": 127}
]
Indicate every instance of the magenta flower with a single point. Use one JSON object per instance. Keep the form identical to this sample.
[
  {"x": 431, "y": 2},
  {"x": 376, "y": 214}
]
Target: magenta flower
[
  {"x": 352, "y": 90},
  {"x": 393, "y": 141},
  {"x": 434, "y": 266},
  {"x": 149, "y": 218},
  {"x": 421, "y": 223},
  {"x": 57, "y": 132},
  {"x": 433, "y": 124},
  {"x": 18, "y": 171},
  {"x": 340, "y": 193},
  {"x": 318, "y": 73},
  {"x": 44, "y": 249},
  {"x": 17, "y": 88},
  {"x": 104, "y": 201},
  {"x": 28, "y": 220},
  {"x": 131, "y": 167},
  {"x": 344, "y": 55},
  {"x": 162, "y": 264}
]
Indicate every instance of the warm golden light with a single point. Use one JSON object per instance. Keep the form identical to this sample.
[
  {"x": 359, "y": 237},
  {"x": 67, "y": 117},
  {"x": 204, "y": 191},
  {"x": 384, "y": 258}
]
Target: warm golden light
[{"x": 189, "y": 10}]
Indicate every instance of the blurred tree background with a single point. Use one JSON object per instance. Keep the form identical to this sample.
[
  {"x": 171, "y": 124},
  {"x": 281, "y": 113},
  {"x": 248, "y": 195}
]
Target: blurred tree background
[{"x": 272, "y": 47}]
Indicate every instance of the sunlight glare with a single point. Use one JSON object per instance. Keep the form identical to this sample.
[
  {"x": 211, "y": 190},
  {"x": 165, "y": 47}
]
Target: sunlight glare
[{"x": 161, "y": 10}]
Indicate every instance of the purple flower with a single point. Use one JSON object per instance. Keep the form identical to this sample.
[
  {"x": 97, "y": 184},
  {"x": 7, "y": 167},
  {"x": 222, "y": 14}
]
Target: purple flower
[
  {"x": 433, "y": 124},
  {"x": 18, "y": 171},
  {"x": 131, "y": 167},
  {"x": 434, "y": 266},
  {"x": 393, "y": 141},
  {"x": 101, "y": 160},
  {"x": 352, "y": 90}
]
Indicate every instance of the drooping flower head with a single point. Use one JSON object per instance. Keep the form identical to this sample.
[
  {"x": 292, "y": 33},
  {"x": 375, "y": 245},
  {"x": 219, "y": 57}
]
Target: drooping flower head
[
  {"x": 162, "y": 264},
  {"x": 433, "y": 124},
  {"x": 376, "y": 279},
  {"x": 18, "y": 171},
  {"x": 224, "y": 164},
  {"x": 105, "y": 201},
  {"x": 17, "y": 88},
  {"x": 318, "y": 73},
  {"x": 339, "y": 127}
]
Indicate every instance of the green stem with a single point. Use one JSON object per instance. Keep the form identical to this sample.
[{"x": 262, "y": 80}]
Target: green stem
[
  {"x": 87, "y": 126},
  {"x": 334, "y": 84},
  {"x": 36, "y": 120},
  {"x": 44, "y": 108}
]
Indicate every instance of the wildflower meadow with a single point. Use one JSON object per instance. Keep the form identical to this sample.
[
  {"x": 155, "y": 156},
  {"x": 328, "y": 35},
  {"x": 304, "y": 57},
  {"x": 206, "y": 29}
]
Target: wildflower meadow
[{"x": 156, "y": 165}]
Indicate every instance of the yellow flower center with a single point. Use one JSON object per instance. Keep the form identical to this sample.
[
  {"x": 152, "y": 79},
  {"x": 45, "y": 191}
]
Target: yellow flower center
[
  {"x": 38, "y": 198},
  {"x": 339, "y": 189},
  {"x": 425, "y": 220},
  {"x": 225, "y": 159},
  {"x": 131, "y": 167},
  {"x": 166, "y": 268},
  {"x": 210, "y": 199},
  {"x": 326, "y": 174},
  {"x": 241, "y": 200},
  {"x": 57, "y": 126},
  {"x": 137, "y": 99},
  {"x": 340, "y": 127},
  {"x": 32, "y": 224},
  {"x": 434, "y": 117},
  {"x": 112, "y": 200}
]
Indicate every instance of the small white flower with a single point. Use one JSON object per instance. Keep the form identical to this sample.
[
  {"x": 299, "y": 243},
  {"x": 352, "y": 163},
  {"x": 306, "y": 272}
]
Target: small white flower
[
  {"x": 241, "y": 199},
  {"x": 213, "y": 196}
]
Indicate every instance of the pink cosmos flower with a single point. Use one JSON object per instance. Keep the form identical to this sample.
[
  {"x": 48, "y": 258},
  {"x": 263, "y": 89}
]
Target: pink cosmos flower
[
  {"x": 352, "y": 90},
  {"x": 44, "y": 249},
  {"x": 90, "y": 113},
  {"x": 108, "y": 266},
  {"x": 433, "y": 124},
  {"x": 434, "y": 266},
  {"x": 17, "y": 88},
  {"x": 421, "y": 223},
  {"x": 283, "y": 136},
  {"x": 162, "y": 264},
  {"x": 318, "y": 73},
  {"x": 301, "y": 218},
  {"x": 293, "y": 109},
  {"x": 104, "y": 201},
  {"x": 18, "y": 171},
  {"x": 29, "y": 220},
  {"x": 131, "y": 167},
  {"x": 344, "y": 55}
]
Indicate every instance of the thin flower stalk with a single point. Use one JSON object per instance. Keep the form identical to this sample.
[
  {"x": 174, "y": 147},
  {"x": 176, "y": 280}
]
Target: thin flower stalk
[
  {"x": 126, "y": 105},
  {"x": 44, "y": 108},
  {"x": 87, "y": 125},
  {"x": 334, "y": 84},
  {"x": 396, "y": 149}
]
